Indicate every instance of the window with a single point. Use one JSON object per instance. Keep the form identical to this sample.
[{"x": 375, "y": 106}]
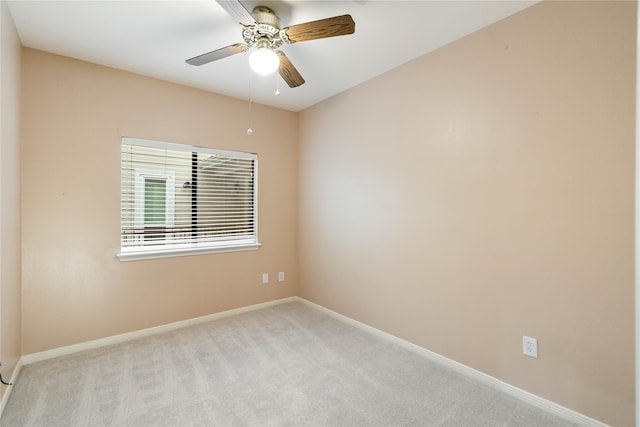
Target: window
[
  {"x": 154, "y": 204},
  {"x": 182, "y": 200}
]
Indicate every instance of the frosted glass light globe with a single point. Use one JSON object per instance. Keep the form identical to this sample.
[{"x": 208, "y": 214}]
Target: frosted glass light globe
[{"x": 264, "y": 61}]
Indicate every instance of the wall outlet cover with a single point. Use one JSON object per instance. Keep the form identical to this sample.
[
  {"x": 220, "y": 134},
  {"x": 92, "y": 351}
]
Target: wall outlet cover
[{"x": 530, "y": 346}]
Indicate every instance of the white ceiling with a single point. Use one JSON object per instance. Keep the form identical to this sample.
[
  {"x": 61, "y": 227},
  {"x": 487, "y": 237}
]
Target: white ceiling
[{"x": 154, "y": 38}]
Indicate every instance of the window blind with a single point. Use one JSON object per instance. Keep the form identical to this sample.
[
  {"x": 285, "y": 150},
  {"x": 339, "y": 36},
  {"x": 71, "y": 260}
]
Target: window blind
[{"x": 178, "y": 198}]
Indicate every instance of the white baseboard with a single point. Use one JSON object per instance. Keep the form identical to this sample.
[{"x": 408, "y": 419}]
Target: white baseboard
[
  {"x": 115, "y": 339},
  {"x": 12, "y": 380},
  {"x": 530, "y": 398}
]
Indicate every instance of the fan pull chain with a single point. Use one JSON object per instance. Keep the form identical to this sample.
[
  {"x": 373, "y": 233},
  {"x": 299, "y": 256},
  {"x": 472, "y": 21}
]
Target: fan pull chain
[
  {"x": 249, "y": 129},
  {"x": 277, "y": 85}
]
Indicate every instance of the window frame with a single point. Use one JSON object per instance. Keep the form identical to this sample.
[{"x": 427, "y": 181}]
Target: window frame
[{"x": 169, "y": 247}]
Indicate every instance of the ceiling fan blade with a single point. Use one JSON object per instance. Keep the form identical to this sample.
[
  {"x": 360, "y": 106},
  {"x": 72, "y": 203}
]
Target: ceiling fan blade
[
  {"x": 322, "y": 28},
  {"x": 205, "y": 58},
  {"x": 288, "y": 72},
  {"x": 237, "y": 11}
]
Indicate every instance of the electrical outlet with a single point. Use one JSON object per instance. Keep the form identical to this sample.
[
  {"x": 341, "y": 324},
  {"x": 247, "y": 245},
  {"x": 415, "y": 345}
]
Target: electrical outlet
[
  {"x": 281, "y": 276},
  {"x": 530, "y": 346},
  {"x": 265, "y": 278}
]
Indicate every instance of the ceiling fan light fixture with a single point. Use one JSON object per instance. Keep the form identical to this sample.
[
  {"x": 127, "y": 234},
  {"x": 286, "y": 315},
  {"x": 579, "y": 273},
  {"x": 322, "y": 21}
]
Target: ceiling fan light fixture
[
  {"x": 264, "y": 61},
  {"x": 263, "y": 34}
]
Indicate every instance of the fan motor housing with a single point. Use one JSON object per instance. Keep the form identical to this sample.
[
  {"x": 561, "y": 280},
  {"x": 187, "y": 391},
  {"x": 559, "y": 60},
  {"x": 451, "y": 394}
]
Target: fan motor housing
[
  {"x": 266, "y": 31},
  {"x": 265, "y": 16}
]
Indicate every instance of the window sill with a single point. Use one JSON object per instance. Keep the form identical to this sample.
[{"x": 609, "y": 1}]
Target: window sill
[{"x": 137, "y": 255}]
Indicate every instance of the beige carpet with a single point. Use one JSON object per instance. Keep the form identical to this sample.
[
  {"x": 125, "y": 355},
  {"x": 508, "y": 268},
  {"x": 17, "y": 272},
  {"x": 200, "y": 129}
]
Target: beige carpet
[{"x": 287, "y": 365}]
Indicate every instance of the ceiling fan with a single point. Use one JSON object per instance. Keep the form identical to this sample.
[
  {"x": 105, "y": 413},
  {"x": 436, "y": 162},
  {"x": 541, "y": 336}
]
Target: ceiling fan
[{"x": 263, "y": 30}]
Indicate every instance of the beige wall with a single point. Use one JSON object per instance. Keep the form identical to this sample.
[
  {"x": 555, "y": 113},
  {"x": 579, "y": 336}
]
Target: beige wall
[
  {"x": 10, "y": 338},
  {"x": 74, "y": 287},
  {"x": 484, "y": 192}
]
